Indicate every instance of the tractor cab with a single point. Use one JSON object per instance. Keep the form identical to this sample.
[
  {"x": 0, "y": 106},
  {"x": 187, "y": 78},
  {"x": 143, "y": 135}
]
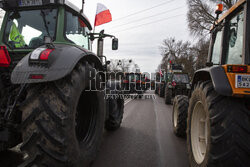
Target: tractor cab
[
  {"x": 27, "y": 23},
  {"x": 214, "y": 117},
  {"x": 229, "y": 48}
]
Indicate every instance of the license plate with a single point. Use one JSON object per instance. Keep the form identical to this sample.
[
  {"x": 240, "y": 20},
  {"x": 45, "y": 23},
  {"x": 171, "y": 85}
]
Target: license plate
[
  {"x": 30, "y": 2},
  {"x": 242, "y": 81}
]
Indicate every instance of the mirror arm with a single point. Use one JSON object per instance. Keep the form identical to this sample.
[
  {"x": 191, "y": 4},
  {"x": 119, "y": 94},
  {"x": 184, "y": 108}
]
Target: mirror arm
[{"x": 94, "y": 36}]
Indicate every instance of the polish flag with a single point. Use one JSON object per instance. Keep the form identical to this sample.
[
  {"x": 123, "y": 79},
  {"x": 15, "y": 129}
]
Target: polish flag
[{"x": 103, "y": 15}]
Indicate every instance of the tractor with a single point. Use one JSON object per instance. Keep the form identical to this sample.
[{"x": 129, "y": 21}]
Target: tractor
[
  {"x": 215, "y": 117},
  {"x": 133, "y": 83},
  {"x": 160, "y": 83},
  {"x": 176, "y": 83},
  {"x": 52, "y": 86},
  {"x": 127, "y": 83}
]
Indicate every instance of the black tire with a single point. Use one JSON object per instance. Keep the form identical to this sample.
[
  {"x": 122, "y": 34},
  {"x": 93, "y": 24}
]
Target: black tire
[
  {"x": 139, "y": 94},
  {"x": 156, "y": 90},
  {"x": 228, "y": 128},
  {"x": 168, "y": 95},
  {"x": 62, "y": 123},
  {"x": 3, "y": 145},
  {"x": 116, "y": 110},
  {"x": 1, "y": 89},
  {"x": 179, "y": 115},
  {"x": 162, "y": 90}
]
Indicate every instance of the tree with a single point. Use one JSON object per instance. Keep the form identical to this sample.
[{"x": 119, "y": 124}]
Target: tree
[
  {"x": 201, "y": 15},
  {"x": 191, "y": 57},
  {"x": 178, "y": 52},
  {"x": 124, "y": 65},
  {"x": 112, "y": 67},
  {"x": 200, "y": 52}
]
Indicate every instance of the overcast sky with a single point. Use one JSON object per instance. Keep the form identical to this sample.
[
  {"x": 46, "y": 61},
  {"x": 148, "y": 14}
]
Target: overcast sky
[{"x": 137, "y": 41}]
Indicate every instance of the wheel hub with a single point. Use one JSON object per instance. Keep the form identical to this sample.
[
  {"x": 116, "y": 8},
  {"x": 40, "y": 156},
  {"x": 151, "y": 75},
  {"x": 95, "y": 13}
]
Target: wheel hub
[
  {"x": 175, "y": 115},
  {"x": 199, "y": 132}
]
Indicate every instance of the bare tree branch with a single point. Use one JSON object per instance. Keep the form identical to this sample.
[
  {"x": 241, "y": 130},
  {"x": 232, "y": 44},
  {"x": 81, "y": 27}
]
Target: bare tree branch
[{"x": 201, "y": 15}]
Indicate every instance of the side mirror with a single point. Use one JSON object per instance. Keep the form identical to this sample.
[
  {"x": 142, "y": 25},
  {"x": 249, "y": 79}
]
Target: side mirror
[{"x": 115, "y": 44}]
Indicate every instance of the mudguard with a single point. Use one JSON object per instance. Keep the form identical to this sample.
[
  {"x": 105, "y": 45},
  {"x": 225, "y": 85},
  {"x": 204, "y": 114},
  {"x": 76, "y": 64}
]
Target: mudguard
[
  {"x": 218, "y": 77},
  {"x": 64, "y": 59}
]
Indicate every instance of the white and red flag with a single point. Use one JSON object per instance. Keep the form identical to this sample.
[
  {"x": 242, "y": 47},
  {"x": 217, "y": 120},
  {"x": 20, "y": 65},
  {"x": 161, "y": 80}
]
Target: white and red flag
[{"x": 103, "y": 15}]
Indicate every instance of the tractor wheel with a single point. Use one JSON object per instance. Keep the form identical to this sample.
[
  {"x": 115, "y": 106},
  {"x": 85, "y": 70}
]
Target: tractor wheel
[
  {"x": 63, "y": 122},
  {"x": 179, "y": 115},
  {"x": 218, "y": 129},
  {"x": 140, "y": 94},
  {"x": 116, "y": 110},
  {"x": 168, "y": 95},
  {"x": 161, "y": 90},
  {"x": 156, "y": 90},
  {"x": 3, "y": 146},
  {"x": 1, "y": 88}
]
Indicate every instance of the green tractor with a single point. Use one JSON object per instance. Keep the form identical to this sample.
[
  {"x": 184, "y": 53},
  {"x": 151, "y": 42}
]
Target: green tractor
[
  {"x": 52, "y": 98},
  {"x": 215, "y": 117},
  {"x": 176, "y": 83}
]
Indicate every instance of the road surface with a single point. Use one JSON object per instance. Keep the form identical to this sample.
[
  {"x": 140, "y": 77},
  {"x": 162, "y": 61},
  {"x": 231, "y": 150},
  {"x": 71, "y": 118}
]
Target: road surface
[{"x": 145, "y": 139}]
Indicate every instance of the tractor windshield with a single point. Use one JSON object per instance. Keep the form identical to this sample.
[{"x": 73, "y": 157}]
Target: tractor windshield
[
  {"x": 26, "y": 29},
  {"x": 180, "y": 78}
]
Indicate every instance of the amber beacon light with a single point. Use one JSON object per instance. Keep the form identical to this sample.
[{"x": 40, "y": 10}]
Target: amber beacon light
[{"x": 219, "y": 9}]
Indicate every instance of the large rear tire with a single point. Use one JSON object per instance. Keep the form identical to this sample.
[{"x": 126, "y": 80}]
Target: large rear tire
[
  {"x": 168, "y": 95},
  {"x": 179, "y": 115},
  {"x": 62, "y": 122},
  {"x": 3, "y": 145},
  {"x": 218, "y": 129},
  {"x": 116, "y": 110}
]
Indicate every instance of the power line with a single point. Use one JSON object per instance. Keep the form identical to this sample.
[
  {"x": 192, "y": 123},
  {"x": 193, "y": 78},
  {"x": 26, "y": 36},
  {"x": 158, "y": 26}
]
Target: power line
[
  {"x": 141, "y": 11},
  {"x": 134, "y": 27},
  {"x": 148, "y": 17}
]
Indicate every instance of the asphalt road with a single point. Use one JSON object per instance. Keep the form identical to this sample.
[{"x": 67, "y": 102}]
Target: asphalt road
[{"x": 145, "y": 139}]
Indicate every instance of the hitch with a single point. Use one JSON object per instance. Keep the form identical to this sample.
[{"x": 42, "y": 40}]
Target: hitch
[
  {"x": 10, "y": 108},
  {"x": 9, "y": 125}
]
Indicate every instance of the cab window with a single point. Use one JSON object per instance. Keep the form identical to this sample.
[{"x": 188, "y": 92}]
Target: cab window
[
  {"x": 217, "y": 48},
  {"x": 235, "y": 44},
  {"x": 76, "y": 30},
  {"x": 26, "y": 29},
  {"x": 181, "y": 78}
]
